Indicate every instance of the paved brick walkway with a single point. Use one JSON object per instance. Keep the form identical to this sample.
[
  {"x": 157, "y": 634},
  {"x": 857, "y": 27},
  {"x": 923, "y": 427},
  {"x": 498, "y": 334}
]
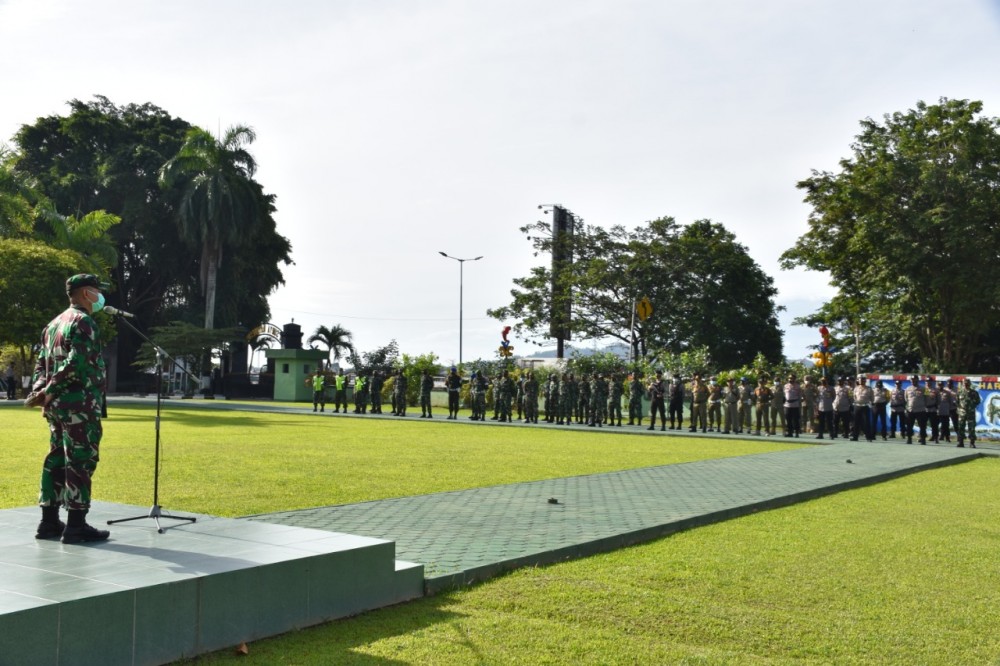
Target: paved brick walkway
[{"x": 470, "y": 535}]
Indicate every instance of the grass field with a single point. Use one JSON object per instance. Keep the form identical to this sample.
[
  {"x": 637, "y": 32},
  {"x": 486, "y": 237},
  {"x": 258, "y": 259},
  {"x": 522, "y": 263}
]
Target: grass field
[{"x": 905, "y": 572}]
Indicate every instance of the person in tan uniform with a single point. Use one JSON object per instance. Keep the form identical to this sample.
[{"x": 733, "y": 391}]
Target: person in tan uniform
[{"x": 763, "y": 396}]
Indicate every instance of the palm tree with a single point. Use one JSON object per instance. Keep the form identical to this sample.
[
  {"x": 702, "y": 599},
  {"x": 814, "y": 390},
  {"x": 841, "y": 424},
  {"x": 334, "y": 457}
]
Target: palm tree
[
  {"x": 87, "y": 236},
  {"x": 220, "y": 200},
  {"x": 336, "y": 339},
  {"x": 16, "y": 196}
]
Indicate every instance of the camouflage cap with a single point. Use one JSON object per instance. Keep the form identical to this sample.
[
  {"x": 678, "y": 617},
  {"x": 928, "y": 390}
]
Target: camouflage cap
[{"x": 85, "y": 280}]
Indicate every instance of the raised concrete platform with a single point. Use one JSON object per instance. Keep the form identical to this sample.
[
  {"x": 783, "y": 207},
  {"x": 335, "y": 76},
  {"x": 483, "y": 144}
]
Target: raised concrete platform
[
  {"x": 148, "y": 598},
  {"x": 470, "y": 535}
]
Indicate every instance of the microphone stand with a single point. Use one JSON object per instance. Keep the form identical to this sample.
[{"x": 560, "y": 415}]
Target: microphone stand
[{"x": 155, "y": 512}]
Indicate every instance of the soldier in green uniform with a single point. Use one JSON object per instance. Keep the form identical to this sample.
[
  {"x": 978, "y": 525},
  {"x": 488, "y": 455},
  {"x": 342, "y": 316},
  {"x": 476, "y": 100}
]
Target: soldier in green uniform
[
  {"x": 530, "y": 398},
  {"x": 615, "y": 391},
  {"x": 635, "y": 394},
  {"x": 598, "y": 400},
  {"x": 70, "y": 375},
  {"x": 583, "y": 401},
  {"x": 426, "y": 385},
  {"x": 399, "y": 393},
  {"x": 360, "y": 394},
  {"x": 552, "y": 408},
  {"x": 519, "y": 397},
  {"x": 777, "y": 408},
  {"x": 565, "y": 409},
  {"x": 454, "y": 385},
  {"x": 968, "y": 400},
  {"x": 745, "y": 407},
  {"x": 375, "y": 392},
  {"x": 506, "y": 395}
]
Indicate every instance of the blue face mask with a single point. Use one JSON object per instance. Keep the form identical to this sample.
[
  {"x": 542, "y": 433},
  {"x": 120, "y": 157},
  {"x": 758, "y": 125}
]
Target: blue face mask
[{"x": 99, "y": 304}]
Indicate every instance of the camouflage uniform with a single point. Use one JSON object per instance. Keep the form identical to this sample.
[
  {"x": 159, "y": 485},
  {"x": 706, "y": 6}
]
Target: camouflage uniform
[
  {"x": 399, "y": 394},
  {"x": 567, "y": 391},
  {"x": 426, "y": 385},
  {"x": 968, "y": 400},
  {"x": 531, "y": 398},
  {"x": 505, "y": 394},
  {"x": 598, "y": 400},
  {"x": 635, "y": 393},
  {"x": 552, "y": 398},
  {"x": 70, "y": 369},
  {"x": 615, "y": 401},
  {"x": 375, "y": 392},
  {"x": 454, "y": 385},
  {"x": 583, "y": 401},
  {"x": 477, "y": 388}
]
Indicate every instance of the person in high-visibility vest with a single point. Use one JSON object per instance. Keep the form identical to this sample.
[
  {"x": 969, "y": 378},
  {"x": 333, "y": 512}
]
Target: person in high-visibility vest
[
  {"x": 341, "y": 395},
  {"x": 319, "y": 391}
]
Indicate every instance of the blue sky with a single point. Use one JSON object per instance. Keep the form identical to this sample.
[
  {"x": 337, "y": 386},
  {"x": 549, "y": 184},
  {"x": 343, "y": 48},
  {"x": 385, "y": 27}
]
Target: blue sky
[{"x": 390, "y": 131}]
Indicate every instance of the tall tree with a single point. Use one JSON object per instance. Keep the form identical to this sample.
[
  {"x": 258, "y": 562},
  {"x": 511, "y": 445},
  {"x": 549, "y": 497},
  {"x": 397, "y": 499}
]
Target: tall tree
[
  {"x": 220, "y": 204},
  {"x": 909, "y": 231},
  {"x": 336, "y": 339},
  {"x": 706, "y": 291}
]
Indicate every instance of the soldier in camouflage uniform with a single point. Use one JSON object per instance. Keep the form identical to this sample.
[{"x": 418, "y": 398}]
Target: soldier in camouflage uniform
[
  {"x": 519, "y": 397},
  {"x": 635, "y": 393},
  {"x": 968, "y": 400},
  {"x": 505, "y": 395},
  {"x": 530, "y": 398},
  {"x": 567, "y": 390},
  {"x": 399, "y": 393},
  {"x": 583, "y": 401},
  {"x": 426, "y": 386},
  {"x": 477, "y": 391},
  {"x": 615, "y": 400},
  {"x": 598, "y": 400},
  {"x": 375, "y": 392},
  {"x": 70, "y": 374},
  {"x": 552, "y": 404}
]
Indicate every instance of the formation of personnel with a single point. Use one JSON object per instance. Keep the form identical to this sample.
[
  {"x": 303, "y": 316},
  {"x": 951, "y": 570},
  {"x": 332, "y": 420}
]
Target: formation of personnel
[{"x": 846, "y": 407}]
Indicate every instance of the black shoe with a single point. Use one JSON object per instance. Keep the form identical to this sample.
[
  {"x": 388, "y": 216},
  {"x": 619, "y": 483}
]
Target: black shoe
[
  {"x": 662, "y": 429},
  {"x": 691, "y": 429},
  {"x": 49, "y": 530},
  {"x": 84, "y": 533}
]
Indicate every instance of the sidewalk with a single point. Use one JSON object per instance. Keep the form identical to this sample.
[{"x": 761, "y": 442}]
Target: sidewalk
[{"x": 469, "y": 535}]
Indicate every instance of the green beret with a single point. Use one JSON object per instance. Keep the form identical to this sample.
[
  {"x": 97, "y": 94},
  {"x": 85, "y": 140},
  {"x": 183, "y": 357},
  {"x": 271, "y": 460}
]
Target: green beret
[{"x": 85, "y": 280}]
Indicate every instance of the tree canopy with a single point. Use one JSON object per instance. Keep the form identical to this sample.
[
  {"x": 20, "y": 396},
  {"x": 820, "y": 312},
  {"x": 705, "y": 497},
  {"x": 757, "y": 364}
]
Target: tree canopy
[
  {"x": 104, "y": 157},
  {"x": 908, "y": 231},
  {"x": 705, "y": 289}
]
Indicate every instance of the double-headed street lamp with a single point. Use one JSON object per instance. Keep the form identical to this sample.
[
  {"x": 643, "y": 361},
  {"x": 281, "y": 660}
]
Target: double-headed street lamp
[{"x": 461, "y": 265}]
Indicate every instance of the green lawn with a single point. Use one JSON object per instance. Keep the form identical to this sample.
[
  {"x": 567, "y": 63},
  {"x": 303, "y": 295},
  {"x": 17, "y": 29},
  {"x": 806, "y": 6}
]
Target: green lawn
[
  {"x": 905, "y": 572},
  {"x": 231, "y": 463}
]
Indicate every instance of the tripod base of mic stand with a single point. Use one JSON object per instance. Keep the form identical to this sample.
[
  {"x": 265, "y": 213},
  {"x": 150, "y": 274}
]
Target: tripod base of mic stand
[{"x": 155, "y": 513}]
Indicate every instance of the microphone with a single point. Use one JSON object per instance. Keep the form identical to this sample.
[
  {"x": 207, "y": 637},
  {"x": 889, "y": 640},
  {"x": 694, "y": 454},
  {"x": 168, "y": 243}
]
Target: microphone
[{"x": 118, "y": 313}]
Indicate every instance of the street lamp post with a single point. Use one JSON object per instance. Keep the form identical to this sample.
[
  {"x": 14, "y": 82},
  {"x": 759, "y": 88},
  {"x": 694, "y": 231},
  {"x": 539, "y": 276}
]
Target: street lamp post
[{"x": 461, "y": 266}]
